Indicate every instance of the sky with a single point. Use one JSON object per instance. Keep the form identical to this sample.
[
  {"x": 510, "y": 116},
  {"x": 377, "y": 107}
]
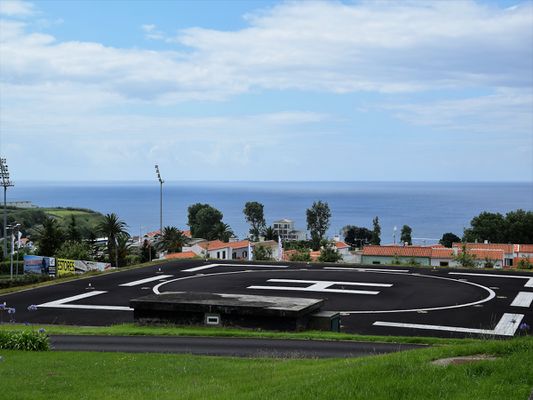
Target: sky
[{"x": 267, "y": 90}]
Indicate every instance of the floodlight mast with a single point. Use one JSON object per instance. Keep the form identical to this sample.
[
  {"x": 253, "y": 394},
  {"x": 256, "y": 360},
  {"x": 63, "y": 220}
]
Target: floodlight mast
[
  {"x": 4, "y": 176},
  {"x": 161, "y": 181}
]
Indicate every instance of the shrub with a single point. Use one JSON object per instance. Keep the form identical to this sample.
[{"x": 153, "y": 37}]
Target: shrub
[
  {"x": 303, "y": 255},
  {"x": 23, "y": 280},
  {"x": 524, "y": 264},
  {"x": 329, "y": 254},
  {"x": 24, "y": 340}
]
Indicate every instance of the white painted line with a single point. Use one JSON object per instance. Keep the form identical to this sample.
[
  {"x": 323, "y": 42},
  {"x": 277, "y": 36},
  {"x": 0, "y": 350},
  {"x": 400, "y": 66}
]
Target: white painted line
[
  {"x": 506, "y": 327},
  {"x": 202, "y": 267},
  {"x": 523, "y": 299},
  {"x": 332, "y": 283},
  {"x": 529, "y": 282},
  {"x": 508, "y": 324},
  {"x": 367, "y": 269},
  {"x": 142, "y": 281},
  {"x": 74, "y": 298},
  {"x": 63, "y": 303},
  {"x": 88, "y": 307},
  {"x": 308, "y": 289}
]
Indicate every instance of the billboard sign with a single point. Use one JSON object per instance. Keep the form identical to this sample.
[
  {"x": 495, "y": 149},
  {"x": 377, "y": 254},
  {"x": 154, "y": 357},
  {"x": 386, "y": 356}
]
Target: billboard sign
[{"x": 39, "y": 265}]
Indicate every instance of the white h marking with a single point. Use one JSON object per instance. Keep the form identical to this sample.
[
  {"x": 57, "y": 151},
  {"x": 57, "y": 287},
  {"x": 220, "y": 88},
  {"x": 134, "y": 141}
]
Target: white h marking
[{"x": 321, "y": 286}]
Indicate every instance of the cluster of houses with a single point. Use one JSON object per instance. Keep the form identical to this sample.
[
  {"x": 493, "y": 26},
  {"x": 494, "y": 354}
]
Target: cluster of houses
[{"x": 496, "y": 255}]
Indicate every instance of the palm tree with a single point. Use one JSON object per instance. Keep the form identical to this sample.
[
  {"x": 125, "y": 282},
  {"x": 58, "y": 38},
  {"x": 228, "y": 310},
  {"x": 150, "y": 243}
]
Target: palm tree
[
  {"x": 172, "y": 240},
  {"x": 270, "y": 234},
  {"x": 221, "y": 231},
  {"x": 111, "y": 227},
  {"x": 123, "y": 248}
]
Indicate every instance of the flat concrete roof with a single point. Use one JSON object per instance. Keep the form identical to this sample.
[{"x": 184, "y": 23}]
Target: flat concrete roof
[{"x": 198, "y": 300}]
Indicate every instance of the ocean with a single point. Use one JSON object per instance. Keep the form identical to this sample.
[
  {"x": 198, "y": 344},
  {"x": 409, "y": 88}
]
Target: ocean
[{"x": 430, "y": 208}]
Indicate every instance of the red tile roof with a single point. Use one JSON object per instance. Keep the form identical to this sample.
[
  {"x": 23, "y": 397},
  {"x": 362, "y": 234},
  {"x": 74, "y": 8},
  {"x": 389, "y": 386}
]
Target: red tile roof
[
  {"x": 341, "y": 245},
  {"x": 489, "y": 254},
  {"x": 398, "y": 251},
  {"x": 507, "y": 248},
  {"x": 185, "y": 254},
  {"x": 440, "y": 252}
]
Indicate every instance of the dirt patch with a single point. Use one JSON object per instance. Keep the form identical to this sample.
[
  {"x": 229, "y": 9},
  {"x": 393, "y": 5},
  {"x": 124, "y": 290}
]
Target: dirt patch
[{"x": 463, "y": 360}]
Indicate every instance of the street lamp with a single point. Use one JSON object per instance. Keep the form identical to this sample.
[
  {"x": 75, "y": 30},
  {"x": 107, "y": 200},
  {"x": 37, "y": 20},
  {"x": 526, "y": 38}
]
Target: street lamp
[
  {"x": 161, "y": 181},
  {"x": 4, "y": 176}
]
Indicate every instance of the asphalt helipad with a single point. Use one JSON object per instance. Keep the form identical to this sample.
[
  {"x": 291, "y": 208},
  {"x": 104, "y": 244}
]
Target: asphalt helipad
[{"x": 379, "y": 301}]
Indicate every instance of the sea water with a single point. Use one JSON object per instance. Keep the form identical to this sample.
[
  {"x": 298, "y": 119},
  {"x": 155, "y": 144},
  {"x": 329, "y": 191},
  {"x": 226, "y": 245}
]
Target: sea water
[{"x": 429, "y": 208}]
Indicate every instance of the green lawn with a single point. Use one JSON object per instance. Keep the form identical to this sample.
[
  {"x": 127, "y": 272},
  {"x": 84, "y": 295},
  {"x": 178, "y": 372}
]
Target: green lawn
[
  {"x": 172, "y": 330},
  {"x": 59, "y": 212},
  {"x": 406, "y": 375}
]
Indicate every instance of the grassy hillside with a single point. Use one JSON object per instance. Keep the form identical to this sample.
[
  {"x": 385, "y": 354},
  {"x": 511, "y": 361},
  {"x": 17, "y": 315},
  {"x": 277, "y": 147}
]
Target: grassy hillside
[
  {"x": 32, "y": 218},
  {"x": 407, "y": 375}
]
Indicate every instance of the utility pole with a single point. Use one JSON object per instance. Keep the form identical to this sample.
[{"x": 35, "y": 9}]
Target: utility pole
[
  {"x": 4, "y": 176},
  {"x": 161, "y": 181}
]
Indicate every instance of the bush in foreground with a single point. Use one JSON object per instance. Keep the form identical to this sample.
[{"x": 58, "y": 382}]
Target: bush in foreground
[{"x": 24, "y": 340}]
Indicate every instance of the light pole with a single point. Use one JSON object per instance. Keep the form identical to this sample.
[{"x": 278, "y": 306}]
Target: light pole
[
  {"x": 4, "y": 175},
  {"x": 394, "y": 233},
  {"x": 161, "y": 181},
  {"x": 13, "y": 229}
]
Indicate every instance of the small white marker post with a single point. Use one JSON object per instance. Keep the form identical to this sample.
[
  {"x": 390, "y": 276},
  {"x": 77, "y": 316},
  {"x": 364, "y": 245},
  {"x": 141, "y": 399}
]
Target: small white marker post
[{"x": 89, "y": 287}]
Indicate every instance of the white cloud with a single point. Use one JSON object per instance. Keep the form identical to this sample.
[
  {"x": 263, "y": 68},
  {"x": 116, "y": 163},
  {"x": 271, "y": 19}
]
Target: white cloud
[
  {"x": 16, "y": 8},
  {"x": 319, "y": 46},
  {"x": 507, "y": 111}
]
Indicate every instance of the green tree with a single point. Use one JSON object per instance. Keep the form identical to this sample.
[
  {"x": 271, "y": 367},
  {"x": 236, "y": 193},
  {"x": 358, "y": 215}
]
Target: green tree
[
  {"x": 262, "y": 253},
  {"x": 49, "y": 237},
  {"x": 376, "y": 232},
  {"x": 329, "y": 254},
  {"x": 270, "y": 234},
  {"x": 111, "y": 227},
  {"x": 172, "y": 240},
  {"x": 74, "y": 251},
  {"x": 73, "y": 232},
  {"x": 486, "y": 226},
  {"x": 356, "y": 236},
  {"x": 123, "y": 248},
  {"x": 448, "y": 239},
  {"x": 221, "y": 231},
  {"x": 147, "y": 251},
  {"x": 202, "y": 220},
  {"x": 405, "y": 236},
  {"x": 465, "y": 258},
  {"x": 318, "y": 217},
  {"x": 254, "y": 214},
  {"x": 519, "y": 227}
]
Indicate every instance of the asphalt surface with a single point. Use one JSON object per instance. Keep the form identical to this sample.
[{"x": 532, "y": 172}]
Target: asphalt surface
[
  {"x": 230, "y": 347},
  {"x": 372, "y": 300}
]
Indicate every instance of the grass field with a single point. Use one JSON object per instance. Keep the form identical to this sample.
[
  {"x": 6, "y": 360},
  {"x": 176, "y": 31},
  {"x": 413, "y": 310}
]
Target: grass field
[
  {"x": 172, "y": 330},
  {"x": 406, "y": 375}
]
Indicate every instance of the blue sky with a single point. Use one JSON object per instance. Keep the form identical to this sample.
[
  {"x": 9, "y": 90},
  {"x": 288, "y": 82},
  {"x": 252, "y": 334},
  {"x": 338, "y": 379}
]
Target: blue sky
[{"x": 267, "y": 90}]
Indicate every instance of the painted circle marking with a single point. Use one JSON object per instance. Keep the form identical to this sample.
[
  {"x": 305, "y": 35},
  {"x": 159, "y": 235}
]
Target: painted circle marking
[{"x": 491, "y": 293}]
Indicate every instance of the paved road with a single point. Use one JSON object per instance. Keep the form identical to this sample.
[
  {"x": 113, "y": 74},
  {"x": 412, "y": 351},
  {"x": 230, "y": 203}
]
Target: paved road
[{"x": 231, "y": 347}]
